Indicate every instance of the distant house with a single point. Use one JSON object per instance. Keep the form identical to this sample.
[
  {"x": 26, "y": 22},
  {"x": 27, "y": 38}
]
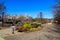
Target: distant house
[
  {"x": 29, "y": 19},
  {"x": 49, "y": 20}
]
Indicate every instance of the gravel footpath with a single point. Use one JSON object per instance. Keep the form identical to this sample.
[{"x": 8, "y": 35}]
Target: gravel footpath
[
  {"x": 45, "y": 34},
  {"x": 1, "y": 38},
  {"x": 48, "y": 33},
  {"x": 5, "y": 32},
  {"x": 8, "y": 32}
]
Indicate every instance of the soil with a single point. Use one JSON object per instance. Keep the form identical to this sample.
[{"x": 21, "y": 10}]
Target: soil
[{"x": 49, "y": 32}]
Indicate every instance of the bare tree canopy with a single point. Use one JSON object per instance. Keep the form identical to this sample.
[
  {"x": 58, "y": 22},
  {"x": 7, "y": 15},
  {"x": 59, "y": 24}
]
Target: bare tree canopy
[
  {"x": 2, "y": 11},
  {"x": 2, "y": 7},
  {"x": 57, "y": 12}
]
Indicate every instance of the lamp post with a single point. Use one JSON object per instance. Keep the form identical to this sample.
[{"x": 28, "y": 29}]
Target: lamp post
[{"x": 13, "y": 25}]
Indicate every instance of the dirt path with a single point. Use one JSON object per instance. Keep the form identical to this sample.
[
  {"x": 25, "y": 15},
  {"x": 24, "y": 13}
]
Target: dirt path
[
  {"x": 4, "y": 32},
  {"x": 48, "y": 33},
  {"x": 7, "y": 32}
]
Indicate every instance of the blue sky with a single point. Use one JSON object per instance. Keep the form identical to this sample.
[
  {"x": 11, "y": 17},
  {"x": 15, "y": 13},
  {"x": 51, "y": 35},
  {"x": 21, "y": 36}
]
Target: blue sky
[{"x": 30, "y": 7}]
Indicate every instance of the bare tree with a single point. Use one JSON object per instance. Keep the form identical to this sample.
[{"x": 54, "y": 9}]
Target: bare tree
[
  {"x": 2, "y": 11},
  {"x": 57, "y": 12},
  {"x": 40, "y": 17}
]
